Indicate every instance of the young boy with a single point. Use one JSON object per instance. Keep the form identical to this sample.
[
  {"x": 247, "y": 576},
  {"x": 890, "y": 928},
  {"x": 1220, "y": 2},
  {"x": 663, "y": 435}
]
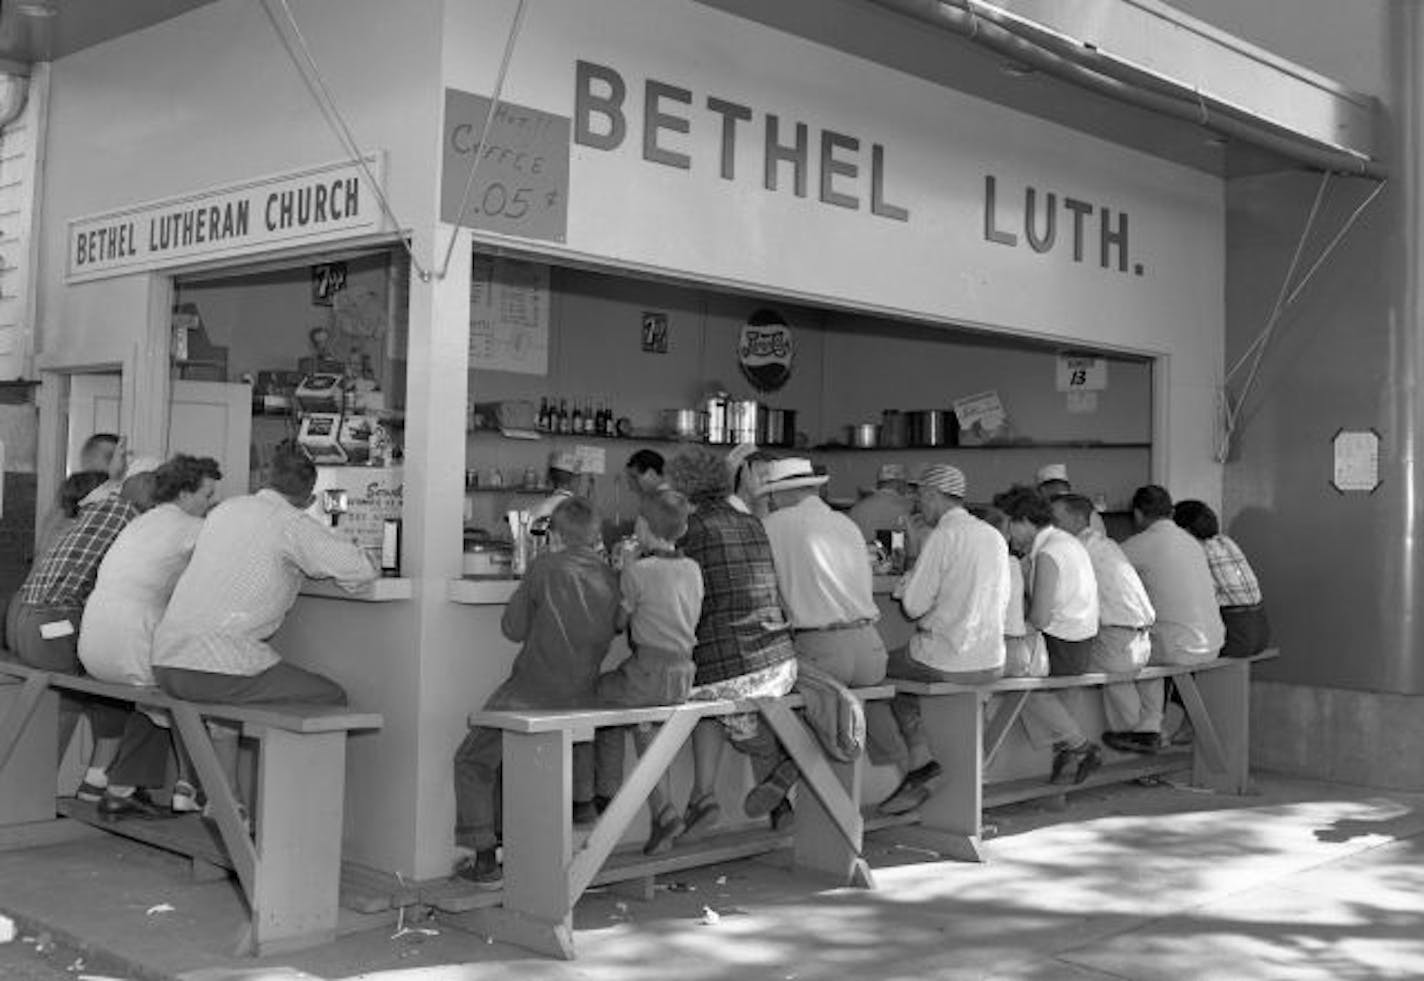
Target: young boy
[
  {"x": 564, "y": 613},
  {"x": 662, "y": 599}
]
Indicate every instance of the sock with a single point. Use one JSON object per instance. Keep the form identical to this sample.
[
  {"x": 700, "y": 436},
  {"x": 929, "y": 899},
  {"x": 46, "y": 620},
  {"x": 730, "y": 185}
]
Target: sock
[
  {"x": 96, "y": 777},
  {"x": 117, "y": 791}
]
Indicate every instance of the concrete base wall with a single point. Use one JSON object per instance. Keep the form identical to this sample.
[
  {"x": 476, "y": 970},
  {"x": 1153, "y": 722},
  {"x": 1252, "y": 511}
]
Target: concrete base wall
[{"x": 1358, "y": 737}]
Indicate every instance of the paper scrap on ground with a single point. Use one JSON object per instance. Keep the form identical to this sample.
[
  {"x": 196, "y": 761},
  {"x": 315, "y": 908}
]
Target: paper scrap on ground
[
  {"x": 710, "y": 916},
  {"x": 160, "y": 908},
  {"x": 7, "y": 929}
]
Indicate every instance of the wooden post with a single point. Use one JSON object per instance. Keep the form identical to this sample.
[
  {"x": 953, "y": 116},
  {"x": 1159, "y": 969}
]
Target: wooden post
[
  {"x": 1221, "y": 698},
  {"x": 29, "y": 723},
  {"x": 954, "y": 725},
  {"x": 538, "y": 843}
]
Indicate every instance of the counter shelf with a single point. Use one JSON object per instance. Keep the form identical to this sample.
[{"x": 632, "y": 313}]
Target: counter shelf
[
  {"x": 383, "y": 590},
  {"x": 1056, "y": 444}
]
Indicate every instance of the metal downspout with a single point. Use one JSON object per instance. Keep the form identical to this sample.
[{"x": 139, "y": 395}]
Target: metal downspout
[{"x": 1085, "y": 68}]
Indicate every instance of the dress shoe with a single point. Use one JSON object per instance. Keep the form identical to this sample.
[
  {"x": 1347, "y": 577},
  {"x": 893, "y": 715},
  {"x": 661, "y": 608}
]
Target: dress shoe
[
  {"x": 913, "y": 791},
  {"x": 136, "y": 805},
  {"x": 481, "y": 869},
  {"x": 1133, "y": 742},
  {"x": 1074, "y": 764}
]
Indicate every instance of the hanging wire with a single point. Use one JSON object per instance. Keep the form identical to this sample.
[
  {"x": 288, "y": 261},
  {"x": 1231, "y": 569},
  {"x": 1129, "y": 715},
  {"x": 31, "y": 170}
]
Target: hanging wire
[
  {"x": 1287, "y": 296},
  {"x": 306, "y": 64},
  {"x": 514, "y": 30}
]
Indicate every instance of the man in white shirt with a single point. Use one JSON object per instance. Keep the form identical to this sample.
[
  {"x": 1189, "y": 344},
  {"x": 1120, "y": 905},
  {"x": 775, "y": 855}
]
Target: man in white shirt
[
  {"x": 823, "y": 573},
  {"x": 1053, "y": 483},
  {"x": 248, "y": 564},
  {"x": 958, "y": 594},
  {"x": 888, "y": 507},
  {"x": 1188, "y": 627}
]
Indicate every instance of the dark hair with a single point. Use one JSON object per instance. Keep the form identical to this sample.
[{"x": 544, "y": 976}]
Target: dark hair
[
  {"x": 1197, "y": 518},
  {"x": 990, "y": 515},
  {"x": 293, "y": 475},
  {"x": 76, "y": 487},
  {"x": 1022, "y": 503},
  {"x": 666, "y": 514},
  {"x": 1153, "y": 501},
  {"x": 645, "y": 460},
  {"x": 575, "y": 521},
  {"x": 1055, "y": 487},
  {"x": 183, "y": 473},
  {"x": 93, "y": 441},
  {"x": 1076, "y": 505}
]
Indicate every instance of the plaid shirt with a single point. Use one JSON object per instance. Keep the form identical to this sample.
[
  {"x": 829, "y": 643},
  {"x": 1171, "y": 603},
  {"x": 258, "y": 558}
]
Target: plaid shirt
[
  {"x": 64, "y": 576},
  {"x": 1236, "y": 584},
  {"x": 742, "y": 628}
]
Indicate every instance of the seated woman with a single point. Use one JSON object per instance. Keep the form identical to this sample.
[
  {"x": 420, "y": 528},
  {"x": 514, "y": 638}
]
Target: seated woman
[
  {"x": 1238, "y": 593},
  {"x": 743, "y": 639}
]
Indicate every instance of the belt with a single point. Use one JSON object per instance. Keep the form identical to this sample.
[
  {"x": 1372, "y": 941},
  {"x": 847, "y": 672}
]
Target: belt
[
  {"x": 848, "y": 625},
  {"x": 1119, "y": 626}
]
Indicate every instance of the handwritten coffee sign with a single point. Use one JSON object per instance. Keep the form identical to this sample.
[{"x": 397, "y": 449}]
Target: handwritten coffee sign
[{"x": 521, "y": 186}]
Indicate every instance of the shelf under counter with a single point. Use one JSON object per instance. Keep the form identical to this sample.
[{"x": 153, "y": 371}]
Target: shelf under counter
[
  {"x": 1057, "y": 444},
  {"x": 383, "y": 590},
  {"x": 493, "y": 591}
]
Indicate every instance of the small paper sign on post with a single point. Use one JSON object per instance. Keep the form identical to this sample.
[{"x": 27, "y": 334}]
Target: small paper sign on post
[
  {"x": 1082, "y": 374},
  {"x": 1356, "y": 461}
]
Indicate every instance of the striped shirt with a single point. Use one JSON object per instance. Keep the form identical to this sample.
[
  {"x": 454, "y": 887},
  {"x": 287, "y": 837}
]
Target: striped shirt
[
  {"x": 65, "y": 575},
  {"x": 1235, "y": 581},
  {"x": 247, "y": 566}
]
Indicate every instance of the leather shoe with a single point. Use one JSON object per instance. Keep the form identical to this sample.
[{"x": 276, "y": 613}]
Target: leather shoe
[
  {"x": 1133, "y": 742},
  {"x": 136, "y": 805}
]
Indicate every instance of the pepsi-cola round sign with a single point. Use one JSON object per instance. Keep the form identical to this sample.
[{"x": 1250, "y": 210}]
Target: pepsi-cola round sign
[{"x": 765, "y": 350}]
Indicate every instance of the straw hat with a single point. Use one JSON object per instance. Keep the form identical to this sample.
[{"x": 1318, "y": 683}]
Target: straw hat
[
  {"x": 943, "y": 478},
  {"x": 789, "y": 474}
]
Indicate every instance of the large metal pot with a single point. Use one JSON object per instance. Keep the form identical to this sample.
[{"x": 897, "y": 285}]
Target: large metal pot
[
  {"x": 742, "y": 417},
  {"x": 714, "y": 419},
  {"x": 932, "y": 427},
  {"x": 776, "y": 427},
  {"x": 893, "y": 432},
  {"x": 681, "y": 423},
  {"x": 864, "y": 436}
]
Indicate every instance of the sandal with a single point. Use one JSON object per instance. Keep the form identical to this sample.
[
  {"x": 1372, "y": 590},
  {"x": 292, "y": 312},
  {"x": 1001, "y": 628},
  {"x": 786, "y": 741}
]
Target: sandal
[
  {"x": 185, "y": 799},
  {"x": 666, "y": 827},
  {"x": 702, "y": 816}
]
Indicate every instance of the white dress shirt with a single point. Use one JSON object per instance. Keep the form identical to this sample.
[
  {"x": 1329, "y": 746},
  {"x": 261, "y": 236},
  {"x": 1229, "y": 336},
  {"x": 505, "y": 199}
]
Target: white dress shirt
[
  {"x": 958, "y": 592},
  {"x": 1074, "y": 607},
  {"x": 135, "y": 580},
  {"x": 249, "y": 561},
  {"x": 1122, "y": 599},
  {"x": 822, "y": 566},
  {"x": 1173, "y": 567}
]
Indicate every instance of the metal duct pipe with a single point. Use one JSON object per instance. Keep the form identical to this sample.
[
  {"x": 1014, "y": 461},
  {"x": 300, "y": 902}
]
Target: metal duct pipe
[
  {"x": 1085, "y": 67},
  {"x": 14, "y": 89}
]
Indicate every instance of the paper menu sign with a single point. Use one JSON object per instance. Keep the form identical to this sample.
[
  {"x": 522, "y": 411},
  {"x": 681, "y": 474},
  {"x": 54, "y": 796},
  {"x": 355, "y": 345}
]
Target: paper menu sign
[
  {"x": 591, "y": 459},
  {"x": 509, "y": 315},
  {"x": 982, "y": 412}
]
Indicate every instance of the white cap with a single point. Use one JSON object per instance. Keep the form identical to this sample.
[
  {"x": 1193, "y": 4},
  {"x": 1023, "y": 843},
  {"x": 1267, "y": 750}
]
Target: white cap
[
  {"x": 1053, "y": 471},
  {"x": 563, "y": 460}
]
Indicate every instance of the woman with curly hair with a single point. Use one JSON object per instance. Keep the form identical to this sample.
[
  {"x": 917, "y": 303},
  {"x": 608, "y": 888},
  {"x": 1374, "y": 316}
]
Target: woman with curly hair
[{"x": 743, "y": 639}]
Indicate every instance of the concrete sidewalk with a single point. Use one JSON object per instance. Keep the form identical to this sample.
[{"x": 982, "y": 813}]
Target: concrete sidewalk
[{"x": 1300, "y": 880}]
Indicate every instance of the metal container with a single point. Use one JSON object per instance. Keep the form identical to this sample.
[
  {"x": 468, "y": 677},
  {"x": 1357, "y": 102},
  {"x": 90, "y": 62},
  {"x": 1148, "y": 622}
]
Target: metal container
[
  {"x": 714, "y": 419},
  {"x": 893, "y": 429},
  {"x": 682, "y": 423},
  {"x": 931, "y": 427},
  {"x": 776, "y": 427},
  {"x": 742, "y": 415},
  {"x": 865, "y": 436}
]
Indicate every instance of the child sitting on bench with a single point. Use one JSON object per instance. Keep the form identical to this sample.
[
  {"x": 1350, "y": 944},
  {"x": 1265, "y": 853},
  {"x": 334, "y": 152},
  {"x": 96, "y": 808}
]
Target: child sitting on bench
[
  {"x": 564, "y": 614},
  {"x": 662, "y": 598}
]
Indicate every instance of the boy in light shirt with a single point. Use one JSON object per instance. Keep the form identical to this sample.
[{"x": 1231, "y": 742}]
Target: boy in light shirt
[{"x": 662, "y": 600}]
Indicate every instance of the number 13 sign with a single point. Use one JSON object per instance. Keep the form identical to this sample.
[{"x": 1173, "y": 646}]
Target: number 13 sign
[{"x": 1082, "y": 374}]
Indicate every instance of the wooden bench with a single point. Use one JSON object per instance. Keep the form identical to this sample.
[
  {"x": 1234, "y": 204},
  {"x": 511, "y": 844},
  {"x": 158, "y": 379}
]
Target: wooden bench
[
  {"x": 1215, "y": 695},
  {"x": 544, "y": 875},
  {"x": 290, "y": 873}
]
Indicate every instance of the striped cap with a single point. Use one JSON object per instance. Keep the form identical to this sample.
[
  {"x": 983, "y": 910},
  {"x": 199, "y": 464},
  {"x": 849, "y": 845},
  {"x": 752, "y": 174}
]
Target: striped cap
[{"x": 943, "y": 478}]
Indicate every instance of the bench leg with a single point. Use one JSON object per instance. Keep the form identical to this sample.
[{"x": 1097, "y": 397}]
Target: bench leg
[
  {"x": 1218, "y": 702},
  {"x": 538, "y": 788},
  {"x": 301, "y": 795},
  {"x": 954, "y": 725},
  {"x": 29, "y": 723},
  {"x": 829, "y": 828}
]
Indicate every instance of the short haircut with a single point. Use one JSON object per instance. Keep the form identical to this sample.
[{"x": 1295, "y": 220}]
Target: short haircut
[
  {"x": 1076, "y": 505},
  {"x": 666, "y": 514},
  {"x": 1055, "y": 487},
  {"x": 1153, "y": 501},
  {"x": 576, "y": 522},
  {"x": 1023, "y": 503},
  {"x": 293, "y": 475},
  {"x": 1197, "y": 518},
  {"x": 93, "y": 442},
  {"x": 645, "y": 460},
  {"x": 183, "y": 473},
  {"x": 78, "y": 486}
]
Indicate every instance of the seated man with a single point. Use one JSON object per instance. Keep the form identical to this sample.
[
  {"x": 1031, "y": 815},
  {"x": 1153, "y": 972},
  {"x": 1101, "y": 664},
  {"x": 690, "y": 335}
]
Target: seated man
[
  {"x": 958, "y": 592},
  {"x": 564, "y": 615}
]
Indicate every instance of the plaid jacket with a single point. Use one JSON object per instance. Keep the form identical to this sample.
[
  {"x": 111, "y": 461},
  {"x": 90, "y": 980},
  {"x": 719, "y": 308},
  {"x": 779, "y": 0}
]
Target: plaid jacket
[
  {"x": 65, "y": 575},
  {"x": 742, "y": 628},
  {"x": 1235, "y": 581}
]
